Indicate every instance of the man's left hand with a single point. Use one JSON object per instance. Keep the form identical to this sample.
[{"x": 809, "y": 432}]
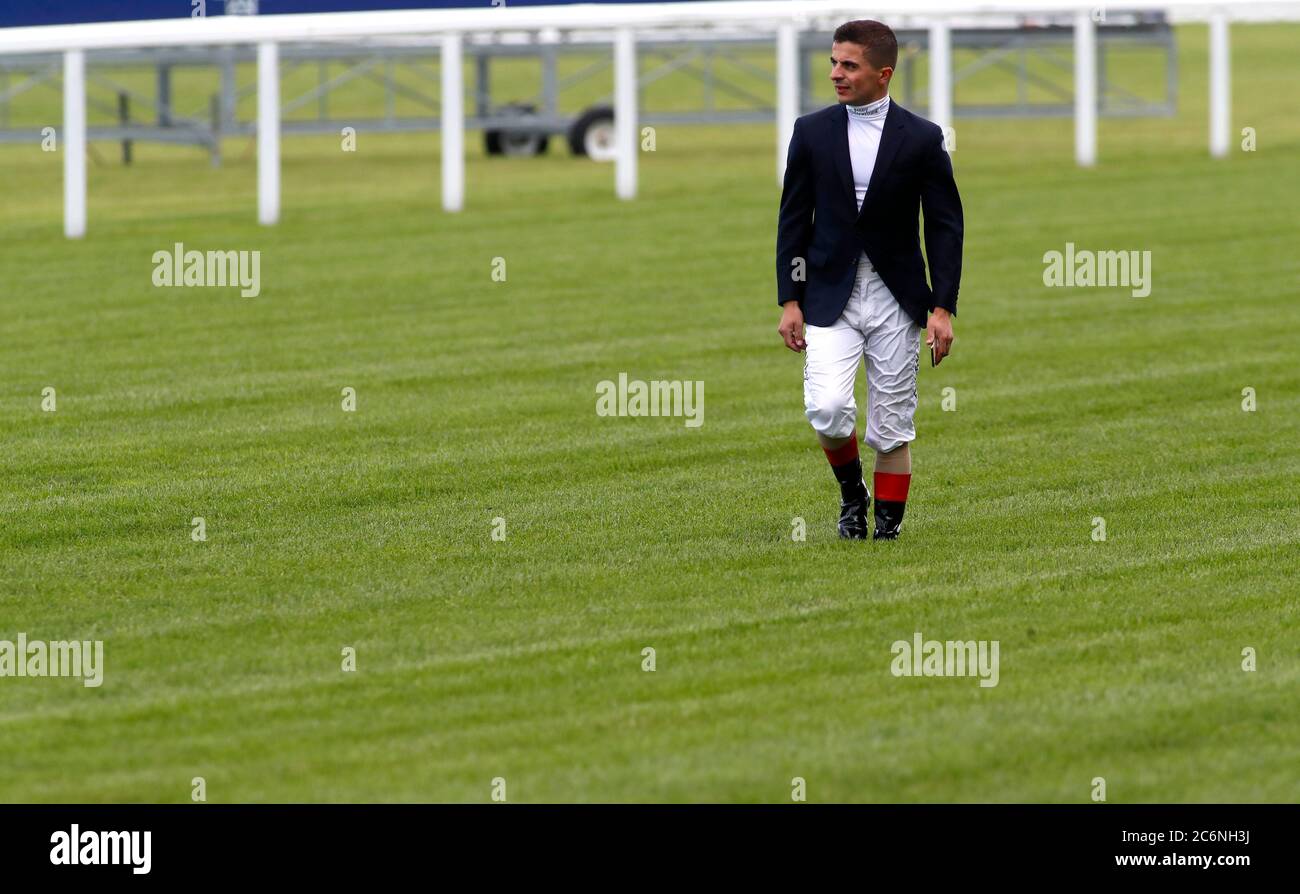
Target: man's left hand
[{"x": 938, "y": 334}]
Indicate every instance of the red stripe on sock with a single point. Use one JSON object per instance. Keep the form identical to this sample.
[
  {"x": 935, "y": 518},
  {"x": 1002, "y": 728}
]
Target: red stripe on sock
[
  {"x": 892, "y": 486},
  {"x": 845, "y": 453}
]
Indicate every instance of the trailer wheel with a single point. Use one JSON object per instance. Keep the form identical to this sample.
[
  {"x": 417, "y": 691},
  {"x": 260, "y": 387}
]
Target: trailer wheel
[
  {"x": 515, "y": 142},
  {"x": 592, "y": 134}
]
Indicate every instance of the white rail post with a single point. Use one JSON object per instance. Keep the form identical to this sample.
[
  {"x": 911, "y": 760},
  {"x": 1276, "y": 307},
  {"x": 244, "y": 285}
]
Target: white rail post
[
  {"x": 625, "y": 114},
  {"x": 787, "y": 92},
  {"x": 268, "y": 133},
  {"x": 941, "y": 74},
  {"x": 1220, "y": 84},
  {"x": 452, "y": 123},
  {"x": 1085, "y": 89},
  {"x": 74, "y": 144}
]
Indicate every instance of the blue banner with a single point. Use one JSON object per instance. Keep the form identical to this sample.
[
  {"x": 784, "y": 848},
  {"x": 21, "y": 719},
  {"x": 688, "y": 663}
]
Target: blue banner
[{"x": 61, "y": 12}]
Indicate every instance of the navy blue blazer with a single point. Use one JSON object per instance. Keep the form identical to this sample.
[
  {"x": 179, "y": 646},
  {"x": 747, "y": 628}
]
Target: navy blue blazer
[{"x": 820, "y": 222}]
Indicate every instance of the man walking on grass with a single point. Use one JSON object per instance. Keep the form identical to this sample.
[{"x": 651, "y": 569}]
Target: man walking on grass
[{"x": 850, "y": 276}]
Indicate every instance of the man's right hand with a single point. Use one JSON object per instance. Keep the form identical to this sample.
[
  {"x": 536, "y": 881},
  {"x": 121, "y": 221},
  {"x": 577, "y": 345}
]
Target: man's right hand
[{"x": 791, "y": 327}]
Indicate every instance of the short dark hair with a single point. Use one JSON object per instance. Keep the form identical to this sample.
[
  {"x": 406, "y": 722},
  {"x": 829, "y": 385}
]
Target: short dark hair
[{"x": 877, "y": 40}]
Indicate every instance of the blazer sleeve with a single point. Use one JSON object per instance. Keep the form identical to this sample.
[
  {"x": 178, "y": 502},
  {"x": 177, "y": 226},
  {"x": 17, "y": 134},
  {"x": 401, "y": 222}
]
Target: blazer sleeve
[
  {"x": 795, "y": 220},
  {"x": 941, "y": 207}
]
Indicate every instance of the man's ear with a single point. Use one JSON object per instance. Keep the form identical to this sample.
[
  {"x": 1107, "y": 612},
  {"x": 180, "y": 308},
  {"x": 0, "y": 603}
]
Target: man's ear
[{"x": 885, "y": 74}]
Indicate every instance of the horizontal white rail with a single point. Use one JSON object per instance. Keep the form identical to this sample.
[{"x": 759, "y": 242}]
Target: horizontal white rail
[{"x": 764, "y": 14}]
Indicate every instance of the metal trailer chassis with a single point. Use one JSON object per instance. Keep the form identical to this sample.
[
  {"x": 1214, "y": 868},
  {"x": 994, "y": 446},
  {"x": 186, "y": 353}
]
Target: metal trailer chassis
[{"x": 525, "y": 126}]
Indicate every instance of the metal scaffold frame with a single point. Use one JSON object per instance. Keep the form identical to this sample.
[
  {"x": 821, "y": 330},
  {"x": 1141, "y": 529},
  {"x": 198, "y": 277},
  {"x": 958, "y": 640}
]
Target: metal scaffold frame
[{"x": 619, "y": 25}]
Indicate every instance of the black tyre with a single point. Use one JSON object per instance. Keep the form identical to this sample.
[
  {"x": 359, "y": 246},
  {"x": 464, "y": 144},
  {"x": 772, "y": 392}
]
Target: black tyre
[
  {"x": 513, "y": 142},
  {"x": 592, "y": 134}
]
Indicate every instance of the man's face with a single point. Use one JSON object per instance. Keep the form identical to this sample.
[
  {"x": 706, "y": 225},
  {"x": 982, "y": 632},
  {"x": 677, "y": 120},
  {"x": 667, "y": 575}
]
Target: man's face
[{"x": 856, "y": 80}]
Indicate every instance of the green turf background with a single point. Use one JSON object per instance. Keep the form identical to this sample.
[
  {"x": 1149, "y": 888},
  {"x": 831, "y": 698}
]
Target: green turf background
[{"x": 522, "y": 659}]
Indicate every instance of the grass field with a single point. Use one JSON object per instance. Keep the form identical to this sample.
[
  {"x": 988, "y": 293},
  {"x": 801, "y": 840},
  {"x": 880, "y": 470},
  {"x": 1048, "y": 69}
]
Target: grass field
[{"x": 522, "y": 658}]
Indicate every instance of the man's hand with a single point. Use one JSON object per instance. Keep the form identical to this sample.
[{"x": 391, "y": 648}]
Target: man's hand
[
  {"x": 938, "y": 334},
  {"x": 791, "y": 327}
]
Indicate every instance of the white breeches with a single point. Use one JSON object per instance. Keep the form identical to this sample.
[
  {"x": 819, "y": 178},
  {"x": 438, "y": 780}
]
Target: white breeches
[{"x": 873, "y": 326}]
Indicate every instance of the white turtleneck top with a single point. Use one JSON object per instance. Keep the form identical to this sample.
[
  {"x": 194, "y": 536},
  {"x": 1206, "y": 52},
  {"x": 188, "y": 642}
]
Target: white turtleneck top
[{"x": 865, "y": 125}]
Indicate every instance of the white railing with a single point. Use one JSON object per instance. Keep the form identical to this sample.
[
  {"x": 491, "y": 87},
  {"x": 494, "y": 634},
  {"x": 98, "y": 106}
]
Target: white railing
[{"x": 781, "y": 17}]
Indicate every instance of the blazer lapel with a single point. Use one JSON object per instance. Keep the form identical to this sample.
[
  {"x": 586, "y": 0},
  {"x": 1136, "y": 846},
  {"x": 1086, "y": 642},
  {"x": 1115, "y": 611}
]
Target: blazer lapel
[{"x": 840, "y": 143}]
